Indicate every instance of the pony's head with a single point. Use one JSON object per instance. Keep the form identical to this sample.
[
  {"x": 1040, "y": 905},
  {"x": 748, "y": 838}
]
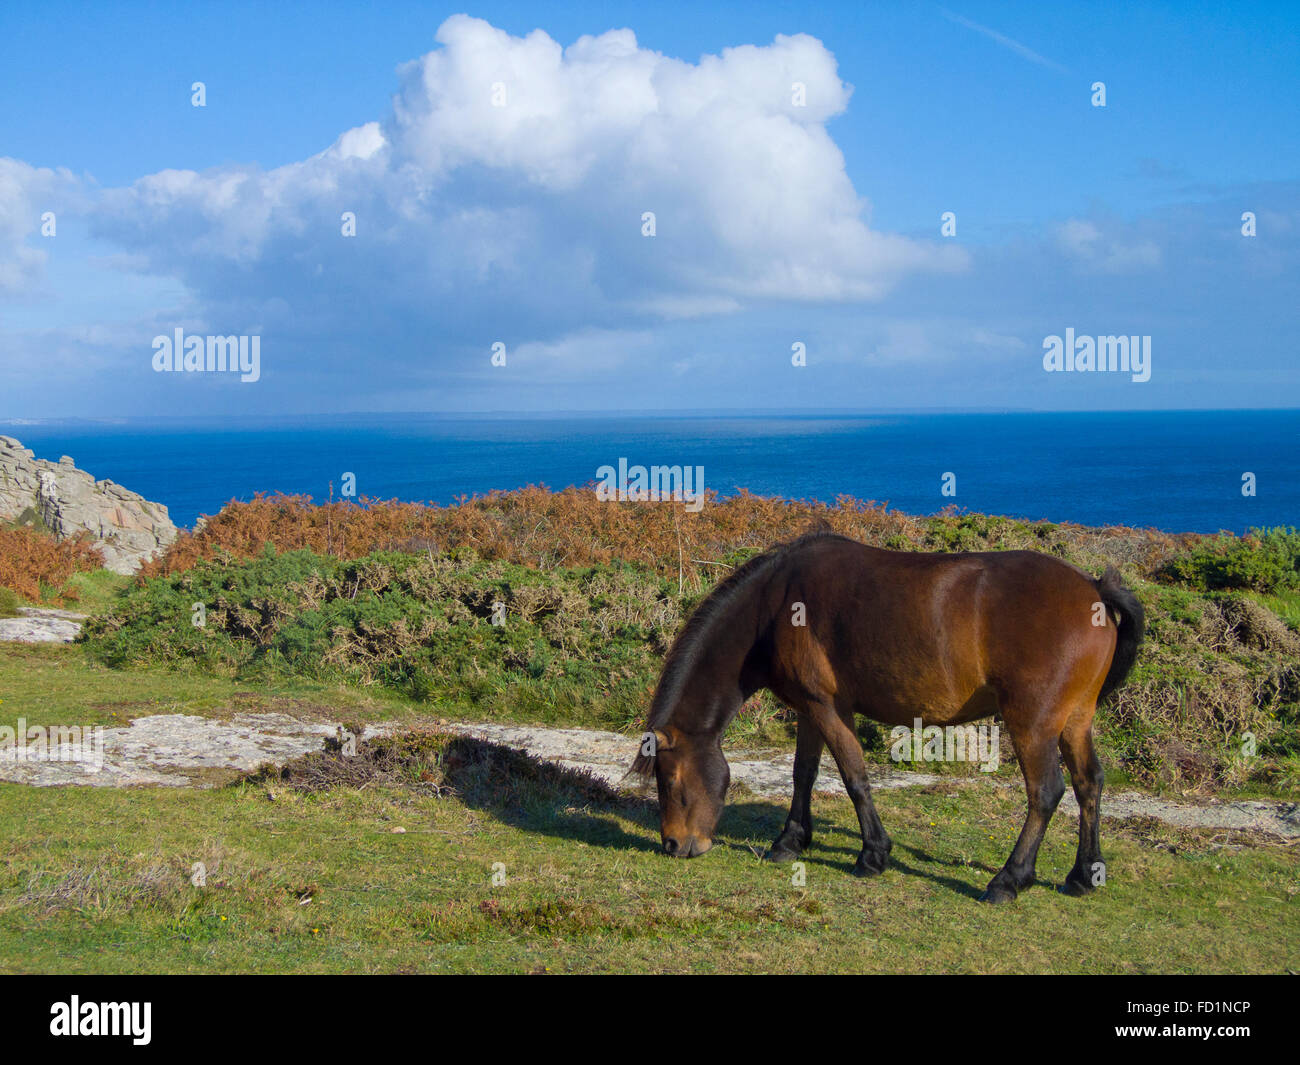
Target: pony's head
[{"x": 692, "y": 776}]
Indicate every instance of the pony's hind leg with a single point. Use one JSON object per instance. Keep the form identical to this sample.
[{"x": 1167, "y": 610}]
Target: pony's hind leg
[
  {"x": 797, "y": 833},
  {"x": 1040, "y": 763},
  {"x": 1087, "y": 777}
]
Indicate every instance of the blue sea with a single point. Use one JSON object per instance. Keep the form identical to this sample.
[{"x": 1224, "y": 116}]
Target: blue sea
[{"x": 1178, "y": 471}]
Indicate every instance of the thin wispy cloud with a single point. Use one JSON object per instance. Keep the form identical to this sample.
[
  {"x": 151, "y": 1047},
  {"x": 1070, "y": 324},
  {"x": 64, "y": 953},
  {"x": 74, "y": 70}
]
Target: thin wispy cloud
[{"x": 1001, "y": 38}]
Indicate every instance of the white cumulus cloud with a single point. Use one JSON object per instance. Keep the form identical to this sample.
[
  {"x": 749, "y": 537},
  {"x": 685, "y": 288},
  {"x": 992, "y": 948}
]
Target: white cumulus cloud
[{"x": 510, "y": 180}]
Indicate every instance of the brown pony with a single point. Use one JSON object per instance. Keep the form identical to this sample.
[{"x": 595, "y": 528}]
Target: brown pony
[{"x": 835, "y": 628}]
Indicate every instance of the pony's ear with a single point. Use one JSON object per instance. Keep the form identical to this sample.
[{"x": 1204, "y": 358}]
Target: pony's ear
[
  {"x": 651, "y": 744},
  {"x": 642, "y": 768}
]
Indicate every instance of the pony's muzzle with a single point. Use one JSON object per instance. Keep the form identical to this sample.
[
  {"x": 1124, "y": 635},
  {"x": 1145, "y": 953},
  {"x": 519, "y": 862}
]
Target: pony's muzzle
[{"x": 687, "y": 848}]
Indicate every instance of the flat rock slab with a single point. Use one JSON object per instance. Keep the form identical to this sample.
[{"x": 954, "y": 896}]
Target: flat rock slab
[
  {"x": 163, "y": 750},
  {"x": 182, "y": 750},
  {"x": 38, "y": 625},
  {"x": 1276, "y": 818}
]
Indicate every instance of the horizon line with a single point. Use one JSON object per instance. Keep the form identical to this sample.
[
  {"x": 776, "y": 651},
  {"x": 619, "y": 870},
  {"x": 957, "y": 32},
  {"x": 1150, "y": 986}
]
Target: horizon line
[{"x": 645, "y": 412}]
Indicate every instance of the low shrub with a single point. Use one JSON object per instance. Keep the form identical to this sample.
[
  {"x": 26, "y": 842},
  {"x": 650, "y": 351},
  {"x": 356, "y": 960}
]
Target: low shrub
[
  {"x": 9, "y": 603},
  {"x": 1265, "y": 560}
]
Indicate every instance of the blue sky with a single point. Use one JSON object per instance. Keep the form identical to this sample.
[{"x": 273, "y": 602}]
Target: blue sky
[{"x": 521, "y": 225}]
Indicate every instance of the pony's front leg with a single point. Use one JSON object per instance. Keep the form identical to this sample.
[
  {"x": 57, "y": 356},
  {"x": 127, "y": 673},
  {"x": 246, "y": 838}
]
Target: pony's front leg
[
  {"x": 797, "y": 833},
  {"x": 837, "y": 729}
]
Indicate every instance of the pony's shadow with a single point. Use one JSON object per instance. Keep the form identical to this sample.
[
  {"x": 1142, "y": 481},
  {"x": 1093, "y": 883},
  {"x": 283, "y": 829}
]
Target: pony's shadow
[
  {"x": 577, "y": 806},
  {"x": 841, "y": 858},
  {"x": 542, "y": 797},
  {"x": 921, "y": 855},
  {"x": 571, "y": 804}
]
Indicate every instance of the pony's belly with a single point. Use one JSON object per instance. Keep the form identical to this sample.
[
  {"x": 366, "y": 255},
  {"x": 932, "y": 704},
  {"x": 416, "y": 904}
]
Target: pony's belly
[{"x": 948, "y": 710}]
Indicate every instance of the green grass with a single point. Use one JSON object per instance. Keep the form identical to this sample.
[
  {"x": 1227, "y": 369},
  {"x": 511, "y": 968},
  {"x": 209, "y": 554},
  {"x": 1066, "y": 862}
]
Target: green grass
[
  {"x": 99, "y": 880},
  {"x": 1285, "y": 605},
  {"x": 93, "y": 592},
  {"x": 52, "y": 684}
]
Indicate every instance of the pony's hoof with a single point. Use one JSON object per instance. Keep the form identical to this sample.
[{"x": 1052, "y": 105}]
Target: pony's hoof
[
  {"x": 999, "y": 893},
  {"x": 1077, "y": 887},
  {"x": 791, "y": 843},
  {"x": 871, "y": 863},
  {"x": 781, "y": 854}
]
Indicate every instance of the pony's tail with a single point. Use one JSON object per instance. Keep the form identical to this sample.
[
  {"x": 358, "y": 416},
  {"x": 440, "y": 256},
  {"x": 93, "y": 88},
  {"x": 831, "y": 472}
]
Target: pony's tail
[{"x": 1130, "y": 620}]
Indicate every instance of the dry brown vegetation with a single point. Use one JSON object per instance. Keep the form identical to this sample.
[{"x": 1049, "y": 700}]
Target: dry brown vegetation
[
  {"x": 543, "y": 529},
  {"x": 30, "y": 558}
]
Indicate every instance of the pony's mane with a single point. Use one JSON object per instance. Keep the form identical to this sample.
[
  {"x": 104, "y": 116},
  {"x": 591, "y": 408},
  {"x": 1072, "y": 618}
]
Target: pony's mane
[{"x": 686, "y": 647}]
